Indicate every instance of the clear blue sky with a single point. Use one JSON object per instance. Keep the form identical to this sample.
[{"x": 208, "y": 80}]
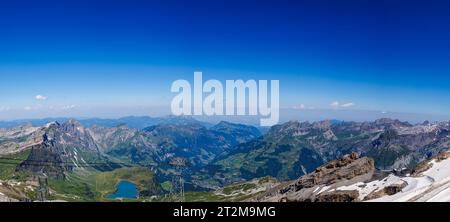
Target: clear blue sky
[{"x": 105, "y": 58}]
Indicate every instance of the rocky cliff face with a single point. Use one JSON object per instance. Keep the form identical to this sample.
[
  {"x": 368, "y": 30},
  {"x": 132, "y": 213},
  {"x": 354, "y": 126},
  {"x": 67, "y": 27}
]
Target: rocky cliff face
[
  {"x": 62, "y": 148},
  {"x": 110, "y": 137},
  {"x": 4, "y": 198},
  {"x": 344, "y": 169},
  {"x": 320, "y": 186},
  {"x": 18, "y": 139},
  {"x": 13, "y": 191}
]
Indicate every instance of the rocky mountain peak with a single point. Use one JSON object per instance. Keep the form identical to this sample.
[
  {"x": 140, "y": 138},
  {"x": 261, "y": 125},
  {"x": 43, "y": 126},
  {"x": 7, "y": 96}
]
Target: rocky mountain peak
[
  {"x": 289, "y": 127},
  {"x": 73, "y": 122},
  {"x": 323, "y": 125},
  {"x": 224, "y": 124},
  {"x": 52, "y": 124},
  {"x": 73, "y": 127},
  {"x": 392, "y": 123}
]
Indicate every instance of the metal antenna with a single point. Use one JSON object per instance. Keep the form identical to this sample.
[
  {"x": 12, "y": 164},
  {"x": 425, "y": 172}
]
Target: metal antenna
[
  {"x": 43, "y": 188},
  {"x": 177, "y": 192}
]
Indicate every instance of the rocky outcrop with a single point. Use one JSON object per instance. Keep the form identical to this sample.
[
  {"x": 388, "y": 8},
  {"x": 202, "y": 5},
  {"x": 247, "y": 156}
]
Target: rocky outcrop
[
  {"x": 386, "y": 191},
  {"x": 346, "y": 168},
  {"x": 18, "y": 139},
  {"x": 320, "y": 186},
  {"x": 11, "y": 192},
  {"x": 7, "y": 199},
  {"x": 338, "y": 196}
]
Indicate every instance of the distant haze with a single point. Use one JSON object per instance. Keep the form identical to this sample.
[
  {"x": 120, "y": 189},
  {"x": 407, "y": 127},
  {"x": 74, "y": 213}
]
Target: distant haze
[{"x": 286, "y": 115}]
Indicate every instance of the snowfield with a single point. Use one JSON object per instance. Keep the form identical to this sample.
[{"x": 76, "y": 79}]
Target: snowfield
[{"x": 432, "y": 186}]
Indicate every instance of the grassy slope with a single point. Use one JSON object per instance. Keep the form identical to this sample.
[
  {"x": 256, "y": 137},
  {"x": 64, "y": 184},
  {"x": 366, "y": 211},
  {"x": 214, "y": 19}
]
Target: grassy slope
[
  {"x": 84, "y": 185},
  {"x": 233, "y": 193},
  {"x": 8, "y": 166}
]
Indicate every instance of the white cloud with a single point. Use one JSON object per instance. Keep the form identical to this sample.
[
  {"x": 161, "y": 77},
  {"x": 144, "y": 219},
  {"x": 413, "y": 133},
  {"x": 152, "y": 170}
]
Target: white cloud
[
  {"x": 41, "y": 97},
  {"x": 346, "y": 105},
  {"x": 303, "y": 107},
  {"x": 27, "y": 108},
  {"x": 335, "y": 104}
]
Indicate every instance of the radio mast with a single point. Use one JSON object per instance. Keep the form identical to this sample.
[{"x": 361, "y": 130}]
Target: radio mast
[
  {"x": 43, "y": 188},
  {"x": 178, "y": 166}
]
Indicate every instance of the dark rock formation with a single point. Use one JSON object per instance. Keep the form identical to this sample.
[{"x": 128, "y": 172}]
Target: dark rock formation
[
  {"x": 389, "y": 191},
  {"x": 339, "y": 196}
]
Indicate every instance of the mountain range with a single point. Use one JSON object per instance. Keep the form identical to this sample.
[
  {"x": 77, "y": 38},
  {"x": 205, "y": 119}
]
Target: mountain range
[
  {"x": 293, "y": 149},
  {"x": 217, "y": 155},
  {"x": 136, "y": 122}
]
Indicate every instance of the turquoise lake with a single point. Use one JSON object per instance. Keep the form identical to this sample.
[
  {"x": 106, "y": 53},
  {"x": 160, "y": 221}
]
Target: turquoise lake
[{"x": 125, "y": 190}]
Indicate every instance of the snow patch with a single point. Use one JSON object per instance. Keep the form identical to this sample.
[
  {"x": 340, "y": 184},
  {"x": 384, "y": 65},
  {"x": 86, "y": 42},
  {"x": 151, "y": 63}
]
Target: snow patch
[
  {"x": 365, "y": 189},
  {"x": 433, "y": 186}
]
